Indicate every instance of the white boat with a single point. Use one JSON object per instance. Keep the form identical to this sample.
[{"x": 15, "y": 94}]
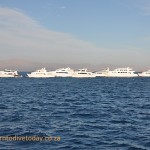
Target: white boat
[
  {"x": 120, "y": 72},
  {"x": 64, "y": 72},
  {"x": 9, "y": 73},
  {"x": 83, "y": 73},
  {"x": 101, "y": 73},
  {"x": 41, "y": 73},
  {"x": 145, "y": 74}
]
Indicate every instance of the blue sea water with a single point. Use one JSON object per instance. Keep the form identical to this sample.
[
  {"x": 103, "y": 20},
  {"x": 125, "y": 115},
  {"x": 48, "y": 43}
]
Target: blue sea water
[{"x": 87, "y": 114}]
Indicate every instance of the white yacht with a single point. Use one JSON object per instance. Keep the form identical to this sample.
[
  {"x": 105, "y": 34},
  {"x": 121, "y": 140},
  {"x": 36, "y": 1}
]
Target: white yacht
[
  {"x": 64, "y": 72},
  {"x": 145, "y": 74},
  {"x": 9, "y": 73},
  {"x": 120, "y": 72},
  {"x": 83, "y": 73},
  {"x": 101, "y": 73},
  {"x": 41, "y": 73}
]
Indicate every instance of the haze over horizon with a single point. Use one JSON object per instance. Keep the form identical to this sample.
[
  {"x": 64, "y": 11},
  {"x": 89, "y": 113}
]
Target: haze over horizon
[{"x": 76, "y": 33}]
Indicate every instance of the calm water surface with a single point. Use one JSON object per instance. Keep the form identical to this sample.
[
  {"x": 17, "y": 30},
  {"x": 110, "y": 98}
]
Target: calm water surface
[{"x": 87, "y": 114}]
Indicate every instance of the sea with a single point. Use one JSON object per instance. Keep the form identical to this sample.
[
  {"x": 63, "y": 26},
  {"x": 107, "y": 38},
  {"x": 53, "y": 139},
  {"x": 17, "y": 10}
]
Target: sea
[{"x": 75, "y": 114}]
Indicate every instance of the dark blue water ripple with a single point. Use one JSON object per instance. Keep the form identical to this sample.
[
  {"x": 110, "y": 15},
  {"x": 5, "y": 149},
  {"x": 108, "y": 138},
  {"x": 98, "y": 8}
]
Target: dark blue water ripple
[{"x": 88, "y": 114}]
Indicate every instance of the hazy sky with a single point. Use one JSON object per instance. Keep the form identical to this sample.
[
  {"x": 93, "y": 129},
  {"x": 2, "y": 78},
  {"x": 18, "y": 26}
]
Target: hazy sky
[{"x": 113, "y": 32}]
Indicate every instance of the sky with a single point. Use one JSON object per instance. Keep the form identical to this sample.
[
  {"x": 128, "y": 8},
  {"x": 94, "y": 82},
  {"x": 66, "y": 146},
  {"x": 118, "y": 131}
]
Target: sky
[{"x": 94, "y": 32}]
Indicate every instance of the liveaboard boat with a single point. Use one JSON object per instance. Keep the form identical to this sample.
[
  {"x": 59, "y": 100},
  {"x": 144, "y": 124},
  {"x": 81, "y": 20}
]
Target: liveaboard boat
[
  {"x": 41, "y": 73},
  {"x": 102, "y": 73},
  {"x": 83, "y": 73},
  {"x": 64, "y": 72},
  {"x": 120, "y": 72},
  {"x": 145, "y": 74},
  {"x": 9, "y": 74}
]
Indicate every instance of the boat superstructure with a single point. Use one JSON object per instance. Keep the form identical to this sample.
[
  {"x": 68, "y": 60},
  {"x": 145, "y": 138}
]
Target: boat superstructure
[
  {"x": 145, "y": 74},
  {"x": 83, "y": 73},
  {"x": 9, "y": 73},
  {"x": 41, "y": 73}
]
